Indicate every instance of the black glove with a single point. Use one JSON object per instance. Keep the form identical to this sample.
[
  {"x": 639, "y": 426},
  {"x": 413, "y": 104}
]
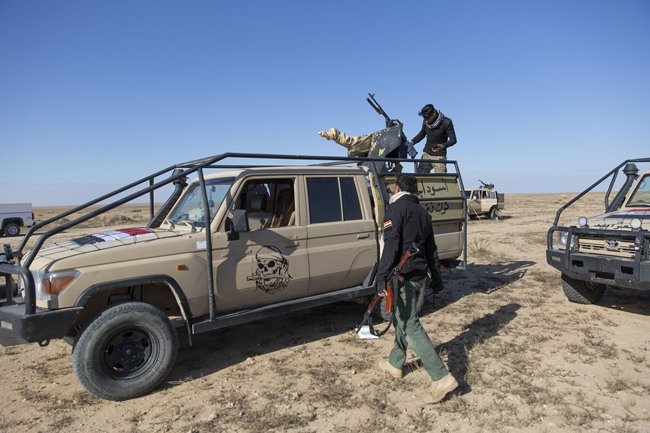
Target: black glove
[
  {"x": 381, "y": 286},
  {"x": 436, "y": 285}
]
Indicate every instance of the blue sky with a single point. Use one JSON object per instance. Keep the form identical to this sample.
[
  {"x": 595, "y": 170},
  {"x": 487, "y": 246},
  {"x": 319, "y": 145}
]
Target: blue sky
[{"x": 545, "y": 96}]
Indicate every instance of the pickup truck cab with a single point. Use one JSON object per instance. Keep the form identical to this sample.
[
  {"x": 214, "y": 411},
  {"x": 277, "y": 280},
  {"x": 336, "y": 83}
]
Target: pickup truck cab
[{"x": 227, "y": 247}]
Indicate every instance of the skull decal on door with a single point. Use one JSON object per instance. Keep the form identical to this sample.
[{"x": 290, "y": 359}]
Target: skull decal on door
[{"x": 272, "y": 273}]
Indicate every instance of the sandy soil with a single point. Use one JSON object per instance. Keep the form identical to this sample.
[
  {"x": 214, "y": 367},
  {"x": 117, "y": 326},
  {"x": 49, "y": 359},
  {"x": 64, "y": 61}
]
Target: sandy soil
[{"x": 526, "y": 358}]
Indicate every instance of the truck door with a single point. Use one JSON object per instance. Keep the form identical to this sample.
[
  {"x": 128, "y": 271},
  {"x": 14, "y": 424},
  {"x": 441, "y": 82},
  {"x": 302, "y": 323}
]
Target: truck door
[
  {"x": 341, "y": 233},
  {"x": 269, "y": 263}
]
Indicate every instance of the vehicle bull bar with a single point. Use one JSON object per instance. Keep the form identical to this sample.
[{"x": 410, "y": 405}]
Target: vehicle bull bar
[
  {"x": 629, "y": 272},
  {"x": 20, "y": 321}
]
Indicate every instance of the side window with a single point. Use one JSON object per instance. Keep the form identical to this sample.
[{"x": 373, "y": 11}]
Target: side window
[
  {"x": 324, "y": 199},
  {"x": 332, "y": 199},
  {"x": 269, "y": 203},
  {"x": 351, "y": 205}
]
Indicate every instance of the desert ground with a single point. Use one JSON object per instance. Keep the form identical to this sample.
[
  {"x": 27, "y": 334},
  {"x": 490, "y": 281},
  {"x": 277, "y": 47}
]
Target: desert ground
[{"x": 525, "y": 357}]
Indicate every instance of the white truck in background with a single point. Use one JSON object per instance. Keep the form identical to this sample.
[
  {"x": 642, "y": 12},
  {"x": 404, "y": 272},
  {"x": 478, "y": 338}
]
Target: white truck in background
[{"x": 13, "y": 216}]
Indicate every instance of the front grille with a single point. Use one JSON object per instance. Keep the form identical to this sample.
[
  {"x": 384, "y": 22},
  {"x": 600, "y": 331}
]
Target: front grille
[{"x": 608, "y": 247}]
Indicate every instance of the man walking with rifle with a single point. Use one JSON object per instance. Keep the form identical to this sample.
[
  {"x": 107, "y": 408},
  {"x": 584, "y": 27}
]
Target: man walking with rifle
[{"x": 405, "y": 223}]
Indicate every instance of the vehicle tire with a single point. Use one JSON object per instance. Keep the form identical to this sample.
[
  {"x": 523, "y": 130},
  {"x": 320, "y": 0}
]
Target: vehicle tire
[
  {"x": 495, "y": 213},
  {"x": 387, "y": 315},
  {"x": 582, "y": 292},
  {"x": 124, "y": 351},
  {"x": 11, "y": 229}
]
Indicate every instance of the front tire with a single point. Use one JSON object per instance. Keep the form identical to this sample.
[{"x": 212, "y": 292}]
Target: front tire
[
  {"x": 125, "y": 351},
  {"x": 582, "y": 292}
]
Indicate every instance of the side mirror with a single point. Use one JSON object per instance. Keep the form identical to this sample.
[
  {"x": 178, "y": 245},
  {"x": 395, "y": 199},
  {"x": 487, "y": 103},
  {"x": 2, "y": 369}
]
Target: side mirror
[{"x": 239, "y": 224}]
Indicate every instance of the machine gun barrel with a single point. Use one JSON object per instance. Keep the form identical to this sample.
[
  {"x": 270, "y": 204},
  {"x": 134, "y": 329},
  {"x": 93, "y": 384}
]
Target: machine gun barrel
[
  {"x": 374, "y": 104},
  {"x": 487, "y": 185}
]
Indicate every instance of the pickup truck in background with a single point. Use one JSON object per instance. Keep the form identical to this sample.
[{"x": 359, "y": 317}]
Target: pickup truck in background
[
  {"x": 233, "y": 244},
  {"x": 13, "y": 216},
  {"x": 485, "y": 202}
]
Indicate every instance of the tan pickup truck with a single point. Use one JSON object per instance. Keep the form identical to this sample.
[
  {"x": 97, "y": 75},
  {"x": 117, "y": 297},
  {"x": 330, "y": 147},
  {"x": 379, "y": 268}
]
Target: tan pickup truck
[
  {"x": 610, "y": 249},
  {"x": 229, "y": 246},
  {"x": 484, "y": 202}
]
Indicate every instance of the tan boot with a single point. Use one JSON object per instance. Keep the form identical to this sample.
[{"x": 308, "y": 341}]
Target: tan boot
[
  {"x": 440, "y": 388},
  {"x": 388, "y": 368}
]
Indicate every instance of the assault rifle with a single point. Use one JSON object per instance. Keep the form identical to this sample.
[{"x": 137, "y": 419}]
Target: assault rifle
[
  {"x": 374, "y": 104},
  {"x": 391, "y": 288}
]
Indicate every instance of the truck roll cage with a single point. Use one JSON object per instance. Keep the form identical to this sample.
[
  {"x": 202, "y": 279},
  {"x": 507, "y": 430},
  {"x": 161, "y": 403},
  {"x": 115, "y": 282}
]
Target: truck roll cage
[{"x": 630, "y": 171}]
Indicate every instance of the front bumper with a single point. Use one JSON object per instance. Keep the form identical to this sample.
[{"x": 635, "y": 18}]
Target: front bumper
[
  {"x": 16, "y": 327},
  {"x": 612, "y": 271}
]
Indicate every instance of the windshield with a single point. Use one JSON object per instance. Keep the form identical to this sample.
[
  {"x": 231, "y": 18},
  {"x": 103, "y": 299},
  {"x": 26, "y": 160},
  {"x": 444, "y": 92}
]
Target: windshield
[
  {"x": 641, "y": 195},
  {"x": 189, "y": 209}
]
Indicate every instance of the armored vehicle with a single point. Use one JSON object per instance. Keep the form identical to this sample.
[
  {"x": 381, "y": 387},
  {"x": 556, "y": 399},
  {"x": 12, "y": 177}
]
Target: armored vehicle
[{"x": 610, "y": 249}]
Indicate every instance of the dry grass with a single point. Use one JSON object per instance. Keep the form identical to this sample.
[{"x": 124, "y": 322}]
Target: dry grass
[{"x": 525, "y": 358}]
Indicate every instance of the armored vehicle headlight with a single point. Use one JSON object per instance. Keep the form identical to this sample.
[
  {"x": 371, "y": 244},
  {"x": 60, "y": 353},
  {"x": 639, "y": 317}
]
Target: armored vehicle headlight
[
  {"x": 636, "y": 223},
  {"x": 48, "y": 285},
  {"x": 561, "y": 238},
  {"x": 582, "y": 221}
]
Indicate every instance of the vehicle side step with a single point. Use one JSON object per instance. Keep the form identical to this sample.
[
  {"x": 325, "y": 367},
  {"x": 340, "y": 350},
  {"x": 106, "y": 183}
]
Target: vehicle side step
[{"x": 204, "y": 324}]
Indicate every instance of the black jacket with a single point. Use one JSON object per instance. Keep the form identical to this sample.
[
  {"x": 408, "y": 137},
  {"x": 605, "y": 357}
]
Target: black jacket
[
  {"x": 406, "y": 221},
  {"x": 442, "y": 134}
]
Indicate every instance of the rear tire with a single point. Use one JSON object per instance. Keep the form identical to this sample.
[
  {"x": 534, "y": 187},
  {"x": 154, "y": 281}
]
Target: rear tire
[
  {"x": 582, "y": 292},
  {"x": 495, "y": 213},
  {"x": 125, "y": 351},
  {"x": 11, "y": 229}
]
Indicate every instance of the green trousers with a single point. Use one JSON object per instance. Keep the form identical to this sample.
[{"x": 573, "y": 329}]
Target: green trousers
[{"x": 409, "y": 332}]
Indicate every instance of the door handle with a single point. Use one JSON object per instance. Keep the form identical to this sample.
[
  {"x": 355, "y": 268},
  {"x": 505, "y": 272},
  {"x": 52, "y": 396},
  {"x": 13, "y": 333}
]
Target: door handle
[{"x": 366, "y": 236}]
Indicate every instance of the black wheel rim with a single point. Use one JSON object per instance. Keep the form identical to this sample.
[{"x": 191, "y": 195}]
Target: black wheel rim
[{"x": 128, "y": 353}]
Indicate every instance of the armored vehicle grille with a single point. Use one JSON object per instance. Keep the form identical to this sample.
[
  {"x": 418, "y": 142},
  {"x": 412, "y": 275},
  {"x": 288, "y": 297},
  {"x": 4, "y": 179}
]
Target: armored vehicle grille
[{"x": 608, "y": 247}]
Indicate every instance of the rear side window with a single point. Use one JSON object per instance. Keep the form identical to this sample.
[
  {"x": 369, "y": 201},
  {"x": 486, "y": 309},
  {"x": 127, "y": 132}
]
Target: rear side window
[
  {"x": 332, "y": 199},
  {"x": 351, "y": 207}
]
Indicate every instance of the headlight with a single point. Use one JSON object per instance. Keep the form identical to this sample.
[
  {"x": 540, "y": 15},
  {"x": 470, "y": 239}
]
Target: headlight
[
  {"x": 561, "y": 239},
  {"x": 48, "y": 285}
]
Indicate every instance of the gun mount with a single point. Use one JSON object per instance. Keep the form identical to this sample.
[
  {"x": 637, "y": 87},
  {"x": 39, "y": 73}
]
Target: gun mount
[{"x": 489, "y": 186}]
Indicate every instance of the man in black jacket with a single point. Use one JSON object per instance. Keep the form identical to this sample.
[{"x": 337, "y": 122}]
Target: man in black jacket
[
  {"x": 406, "y": 222},
  {"x": 440, "y": 134}
]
